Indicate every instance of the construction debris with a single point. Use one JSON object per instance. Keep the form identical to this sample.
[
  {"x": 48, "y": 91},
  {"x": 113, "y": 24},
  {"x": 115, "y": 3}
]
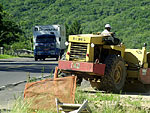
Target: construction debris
[{"x": 72, "y": 108}]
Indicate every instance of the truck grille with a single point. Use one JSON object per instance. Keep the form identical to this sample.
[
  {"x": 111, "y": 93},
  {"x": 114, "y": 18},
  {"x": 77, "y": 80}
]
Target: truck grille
[
  {"x": 78, "y": 51},
  {"x": 40, "y": 47}
]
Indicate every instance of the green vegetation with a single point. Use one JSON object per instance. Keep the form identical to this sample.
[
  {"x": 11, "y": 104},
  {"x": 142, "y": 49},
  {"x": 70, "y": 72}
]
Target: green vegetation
[
  {"x": 21, "y": 106},
  {"x": 6, "y": 56},
  {"x": 111, "y": 103},
  {"x": 129, "y": 18},
  {"x": 74, "y": 28},
  {"x": 98, "y": 102},
  {"x": 34, "y": 79},
  {"x": 10, "y": 32}
]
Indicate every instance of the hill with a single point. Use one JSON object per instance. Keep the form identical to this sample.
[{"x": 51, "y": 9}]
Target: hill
[{"x": 130, "y": 19}]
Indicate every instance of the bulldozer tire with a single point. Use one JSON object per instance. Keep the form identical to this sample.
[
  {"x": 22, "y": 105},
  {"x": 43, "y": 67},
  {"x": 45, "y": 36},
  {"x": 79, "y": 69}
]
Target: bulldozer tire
[
  {"x": 96, "y": 85},
  {"x": 146, "y": 88},
  {"x": 115, "y": 74}
]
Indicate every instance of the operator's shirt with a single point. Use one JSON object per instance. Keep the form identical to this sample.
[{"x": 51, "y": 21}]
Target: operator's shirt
[{"x": 106, "y": 33}]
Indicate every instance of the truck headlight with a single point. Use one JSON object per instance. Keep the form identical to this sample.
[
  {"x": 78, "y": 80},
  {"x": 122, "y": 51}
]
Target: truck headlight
[
  {"x": 66, "y": 43},
  {"x": 92, "y": 45}
]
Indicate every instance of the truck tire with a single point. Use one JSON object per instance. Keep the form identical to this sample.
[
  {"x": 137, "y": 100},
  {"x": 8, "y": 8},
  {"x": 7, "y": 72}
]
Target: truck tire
[
  {"x": 36, "y": 59},
  {"x": 115, "y": 75},
  {"x": 57, "y": 57}
]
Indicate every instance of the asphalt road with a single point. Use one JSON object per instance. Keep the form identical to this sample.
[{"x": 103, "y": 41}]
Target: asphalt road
[{"x": 16, "y": 70}]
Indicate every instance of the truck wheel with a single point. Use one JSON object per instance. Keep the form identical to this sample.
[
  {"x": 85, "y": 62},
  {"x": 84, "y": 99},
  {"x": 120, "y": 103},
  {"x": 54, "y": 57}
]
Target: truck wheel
[
  {"x": 115, "y": 74},
  {"x": 57, "y": 57},
  {"x": 36, "y": 59}
]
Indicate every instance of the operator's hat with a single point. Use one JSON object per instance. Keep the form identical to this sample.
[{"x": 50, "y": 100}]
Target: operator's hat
[{"x": 107, "y": 26}]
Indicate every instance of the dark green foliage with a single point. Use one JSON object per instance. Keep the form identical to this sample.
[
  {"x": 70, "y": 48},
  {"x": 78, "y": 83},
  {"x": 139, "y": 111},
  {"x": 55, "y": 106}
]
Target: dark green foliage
[
  {"x": 73, "y": 29},
  {"x": 1, "y": 17},
  {"x": 1, "y": 10},
  {"x": 9, "y": 30},
  {"x": 130, "y": 19}
]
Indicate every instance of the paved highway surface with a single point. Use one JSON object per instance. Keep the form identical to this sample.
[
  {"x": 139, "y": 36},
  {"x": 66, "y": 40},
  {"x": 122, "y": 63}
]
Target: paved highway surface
[{"x": 15, "y": 70}]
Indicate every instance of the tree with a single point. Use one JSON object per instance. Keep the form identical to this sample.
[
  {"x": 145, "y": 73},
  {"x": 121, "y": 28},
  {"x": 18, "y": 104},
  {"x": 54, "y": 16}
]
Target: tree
[
  {"x": 1, "y": 10},
  {"x": 9, "y": 30},
  {"x": 67, "y": 30},
  {"x": 75, "y": 28}
]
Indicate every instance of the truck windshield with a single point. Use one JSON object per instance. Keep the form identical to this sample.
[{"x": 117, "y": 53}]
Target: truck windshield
[{"x": 45, "y": 39}]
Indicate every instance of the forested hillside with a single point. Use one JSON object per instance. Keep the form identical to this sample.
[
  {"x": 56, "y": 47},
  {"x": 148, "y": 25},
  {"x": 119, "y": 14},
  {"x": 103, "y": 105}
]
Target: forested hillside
[{"x": 130, "y": 19}]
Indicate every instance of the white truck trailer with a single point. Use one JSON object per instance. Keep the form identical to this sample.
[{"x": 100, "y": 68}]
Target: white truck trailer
[{"x": 49, "y": 41}]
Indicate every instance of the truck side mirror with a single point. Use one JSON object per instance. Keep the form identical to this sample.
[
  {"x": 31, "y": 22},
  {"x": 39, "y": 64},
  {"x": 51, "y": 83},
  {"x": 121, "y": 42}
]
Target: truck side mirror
[
  {"x": 36, "y": 29},
  {"x": 59, "y": 38}
]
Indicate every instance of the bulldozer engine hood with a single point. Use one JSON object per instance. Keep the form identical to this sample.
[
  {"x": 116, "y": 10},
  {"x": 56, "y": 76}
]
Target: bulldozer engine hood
[{"x": 86, "y": 38}]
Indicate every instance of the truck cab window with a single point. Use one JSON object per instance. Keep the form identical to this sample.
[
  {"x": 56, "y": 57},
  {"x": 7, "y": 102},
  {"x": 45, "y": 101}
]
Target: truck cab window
[
  {"x": 35, "y": 29},
  {"x": 45, "y": 39}
]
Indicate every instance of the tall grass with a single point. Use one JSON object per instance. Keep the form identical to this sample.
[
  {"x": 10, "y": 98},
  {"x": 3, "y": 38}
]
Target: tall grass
[{"x": 23, "y": 106}]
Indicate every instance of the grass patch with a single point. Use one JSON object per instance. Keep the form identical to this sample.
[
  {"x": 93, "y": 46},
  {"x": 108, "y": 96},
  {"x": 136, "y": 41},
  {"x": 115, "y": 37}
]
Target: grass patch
[
  {"x": 26, "y": 55},
  {"x": 111, "y": 103},
  {"x": 7, "y": 56},
  {"x": 10, "y": 56},
  {"x": 22, "y": 106},
  {"x": 98, "y": 102}
]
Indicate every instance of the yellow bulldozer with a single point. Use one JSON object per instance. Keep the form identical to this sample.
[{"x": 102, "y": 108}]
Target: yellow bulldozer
[{"x": 107, "y": 64}]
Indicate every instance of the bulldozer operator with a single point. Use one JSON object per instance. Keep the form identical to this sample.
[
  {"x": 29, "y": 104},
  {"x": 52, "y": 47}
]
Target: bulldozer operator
[
  {"x": 106, "y": 31},
  {"x": 110, "y": 38}
]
